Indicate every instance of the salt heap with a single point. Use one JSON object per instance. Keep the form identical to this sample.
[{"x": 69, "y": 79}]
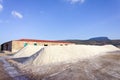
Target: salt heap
[
  {"x": 27, "y": 51},
  {"x": 56, "y": 54}
]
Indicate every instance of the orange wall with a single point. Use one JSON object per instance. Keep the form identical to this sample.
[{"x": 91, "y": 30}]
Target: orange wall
[{"x": 17, "y": 45}]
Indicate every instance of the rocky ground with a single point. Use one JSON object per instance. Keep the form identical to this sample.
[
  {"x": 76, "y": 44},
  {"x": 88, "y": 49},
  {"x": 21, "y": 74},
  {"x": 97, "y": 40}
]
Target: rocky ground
[
  {"x": 3, "y": 74},
  {"x": 9, "y": 72}
]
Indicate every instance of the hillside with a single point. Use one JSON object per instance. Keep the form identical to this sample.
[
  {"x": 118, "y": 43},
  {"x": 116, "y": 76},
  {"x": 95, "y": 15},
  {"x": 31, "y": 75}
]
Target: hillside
[{"x": 96, "y": 41}]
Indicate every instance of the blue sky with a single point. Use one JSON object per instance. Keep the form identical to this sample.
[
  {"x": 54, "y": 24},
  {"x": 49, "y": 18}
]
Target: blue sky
[{"x": 59, "y": 19}]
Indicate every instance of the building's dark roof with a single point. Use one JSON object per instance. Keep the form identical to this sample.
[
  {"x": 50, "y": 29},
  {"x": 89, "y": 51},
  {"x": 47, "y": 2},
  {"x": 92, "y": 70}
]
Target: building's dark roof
[{"x": 33, "y": 40}]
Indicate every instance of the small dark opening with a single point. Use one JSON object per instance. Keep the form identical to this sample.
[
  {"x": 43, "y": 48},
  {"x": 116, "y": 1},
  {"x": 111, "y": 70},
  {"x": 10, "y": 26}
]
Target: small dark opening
[
  {"x": 45, "y": 44},
  {"x": 66, "y": 44},
  {"x": 61, "y": 44},
  {"x": 35, "y": 44}
]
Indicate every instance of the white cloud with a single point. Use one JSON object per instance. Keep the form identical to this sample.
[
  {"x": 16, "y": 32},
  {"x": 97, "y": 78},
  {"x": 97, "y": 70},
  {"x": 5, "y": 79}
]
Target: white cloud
[
  {"x": 1, "y": 7},
  {"x": 76, "y": 1},
  {"x": 17, "y": 14}
]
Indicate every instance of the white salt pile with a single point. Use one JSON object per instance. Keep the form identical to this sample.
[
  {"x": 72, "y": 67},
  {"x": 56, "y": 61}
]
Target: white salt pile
[
  {"x": 55, "y": 54},
  {"x": 27, "y": 51}
]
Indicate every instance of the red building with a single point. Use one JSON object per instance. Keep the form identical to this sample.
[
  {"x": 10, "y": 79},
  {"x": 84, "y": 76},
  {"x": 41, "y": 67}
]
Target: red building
[{"x": 15, "y": 45}]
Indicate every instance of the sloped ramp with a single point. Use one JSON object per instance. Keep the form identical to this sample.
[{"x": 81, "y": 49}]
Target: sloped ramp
[
  {"x": 33, "y": 57},
  {"x": 27, "y": 51}
]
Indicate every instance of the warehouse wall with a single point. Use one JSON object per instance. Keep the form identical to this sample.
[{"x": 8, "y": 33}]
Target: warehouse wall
[
  {"x": 6, "y": 46},
  {"x": 17, "y": 45}
]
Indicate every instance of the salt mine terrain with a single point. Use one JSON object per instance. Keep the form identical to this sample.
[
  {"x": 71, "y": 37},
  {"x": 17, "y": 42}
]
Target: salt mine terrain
[{"x": 72, "y": 62}]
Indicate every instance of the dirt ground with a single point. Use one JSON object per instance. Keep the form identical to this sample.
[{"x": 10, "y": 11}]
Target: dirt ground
[
  {"x": 3, "y": 74},
  {"x": 2, "y": 54}
]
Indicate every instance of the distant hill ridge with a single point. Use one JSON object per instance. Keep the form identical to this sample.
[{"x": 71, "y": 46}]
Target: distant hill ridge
[
  {"x": 100, "y": 39},
  {"x": 96, "y": 41}
]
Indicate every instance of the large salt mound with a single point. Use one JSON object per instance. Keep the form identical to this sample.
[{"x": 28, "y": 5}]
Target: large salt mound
[
  {"x": 27, "y": 51},
  {"x": 55, "y": 54}
]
